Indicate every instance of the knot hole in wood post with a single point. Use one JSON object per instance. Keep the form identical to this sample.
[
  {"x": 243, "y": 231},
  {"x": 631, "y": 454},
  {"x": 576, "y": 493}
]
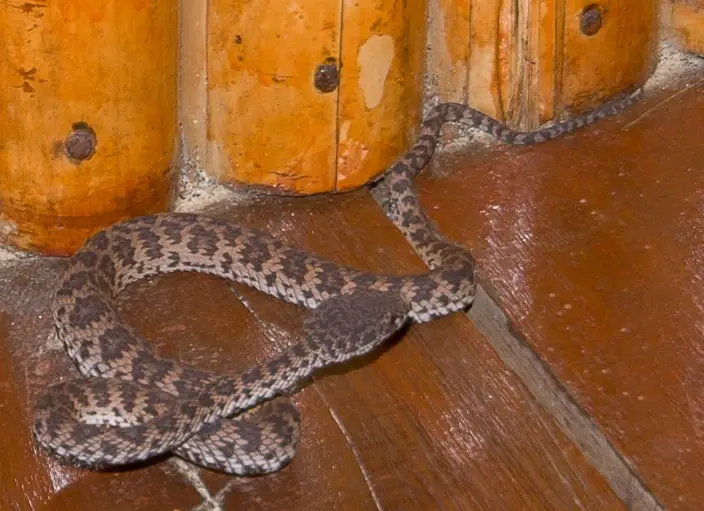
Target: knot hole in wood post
[
  {"x": 80, "y": 143},
  {"x": 591, "y": 19}
]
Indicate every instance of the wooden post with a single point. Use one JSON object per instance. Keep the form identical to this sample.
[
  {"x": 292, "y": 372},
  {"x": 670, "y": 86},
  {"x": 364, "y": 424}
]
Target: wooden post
[
  {"x": 89, "y": 130},
  {"x": 526, "y": 62},
  {"x": 301, "y": 99},
  {"x": 685, "y": 22},
  {"x": 381, "y": 95}
]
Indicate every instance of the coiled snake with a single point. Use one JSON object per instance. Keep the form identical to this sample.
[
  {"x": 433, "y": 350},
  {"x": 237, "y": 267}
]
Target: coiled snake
[{"x": 131, "y": 405}]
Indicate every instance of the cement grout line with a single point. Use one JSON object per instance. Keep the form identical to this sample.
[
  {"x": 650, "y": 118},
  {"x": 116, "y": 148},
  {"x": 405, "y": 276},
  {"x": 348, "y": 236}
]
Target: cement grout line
[
  {"x": 549, "y": 392},
  {"x": 191, "y": 475}
]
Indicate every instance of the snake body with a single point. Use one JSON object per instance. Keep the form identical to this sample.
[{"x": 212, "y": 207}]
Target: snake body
[{"x": 131, "y": 405}]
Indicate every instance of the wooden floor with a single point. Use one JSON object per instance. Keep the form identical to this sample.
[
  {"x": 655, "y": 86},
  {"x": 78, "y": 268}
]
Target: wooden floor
[{"x": 573, "y": 383}]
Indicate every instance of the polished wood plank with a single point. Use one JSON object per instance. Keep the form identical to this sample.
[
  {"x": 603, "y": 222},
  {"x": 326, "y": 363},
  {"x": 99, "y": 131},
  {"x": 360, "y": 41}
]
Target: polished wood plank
[
  {"x": 592, "y": 245},
  {"x": 200, "y": 321},
  {"x": 437, "y": 422}
]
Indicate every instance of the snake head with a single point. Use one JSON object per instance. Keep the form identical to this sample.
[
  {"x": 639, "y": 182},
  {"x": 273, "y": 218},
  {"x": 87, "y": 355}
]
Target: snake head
[{"x": 347, "y": 326}]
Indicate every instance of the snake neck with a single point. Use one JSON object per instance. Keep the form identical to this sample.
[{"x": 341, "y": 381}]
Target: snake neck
[{"x": 450, "y": 284}]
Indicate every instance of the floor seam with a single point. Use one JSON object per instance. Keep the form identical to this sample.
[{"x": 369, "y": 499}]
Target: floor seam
[
  {"x": 355, "y": 451},
  {"x": 269, "y": 333},
  {"x": 577, "y": 425}
]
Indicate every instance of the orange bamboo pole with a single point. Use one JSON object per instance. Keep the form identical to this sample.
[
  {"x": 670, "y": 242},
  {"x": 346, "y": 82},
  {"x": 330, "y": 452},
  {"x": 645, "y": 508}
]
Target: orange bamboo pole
[
  {"x": 525, "y": 62},
  {"x": 304, "y": 99},
  {"x": 88, "y": 138},
  {"x": 383, "y": 56}
]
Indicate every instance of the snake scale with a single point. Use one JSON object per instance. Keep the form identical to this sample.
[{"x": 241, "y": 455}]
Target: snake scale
[{"x": 130, "y": 405}]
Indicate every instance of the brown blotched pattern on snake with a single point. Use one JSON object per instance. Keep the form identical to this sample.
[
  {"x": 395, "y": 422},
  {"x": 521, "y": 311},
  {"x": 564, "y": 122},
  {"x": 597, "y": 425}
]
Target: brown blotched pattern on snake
[{"x": 132, "y": 405}]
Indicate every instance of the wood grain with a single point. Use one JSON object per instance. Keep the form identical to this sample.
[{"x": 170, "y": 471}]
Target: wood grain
[
  {"x": 34, "y": 484},
  {"x": 448, "y": 49},
  {"x": 577, "y": 425}
]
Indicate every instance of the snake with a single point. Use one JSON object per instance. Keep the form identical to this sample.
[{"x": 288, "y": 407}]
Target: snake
[{"x": 129, "y": 405}]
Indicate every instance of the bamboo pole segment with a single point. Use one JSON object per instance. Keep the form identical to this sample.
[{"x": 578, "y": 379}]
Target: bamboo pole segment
[
  {"x": 526, "y": 62},
  {"x": 89, "y": 131},
  {"x": 302, "y": 99},
  {"x": 383, "y": 56}
]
